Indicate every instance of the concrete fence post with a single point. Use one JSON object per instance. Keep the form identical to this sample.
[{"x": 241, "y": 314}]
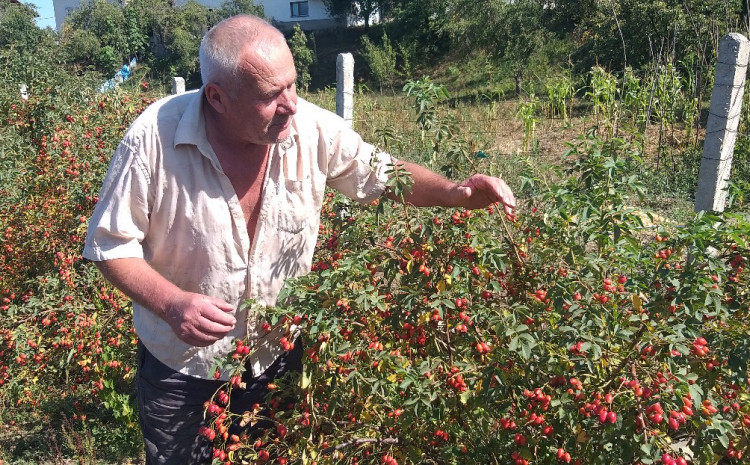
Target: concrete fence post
[
  {"x": 723, "y": 120},
  {"x": 345, "y": 86},
  {"x": 178, "y": 85}
]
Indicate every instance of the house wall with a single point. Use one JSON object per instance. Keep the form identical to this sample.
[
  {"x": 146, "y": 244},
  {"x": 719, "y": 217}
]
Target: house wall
[
  {"x": 62, "y": 8},
  {"x": 280, "y": 10}
]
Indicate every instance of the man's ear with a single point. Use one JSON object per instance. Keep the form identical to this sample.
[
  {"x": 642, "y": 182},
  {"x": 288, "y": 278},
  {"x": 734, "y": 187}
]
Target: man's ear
[{"x": 216, "y": 97}]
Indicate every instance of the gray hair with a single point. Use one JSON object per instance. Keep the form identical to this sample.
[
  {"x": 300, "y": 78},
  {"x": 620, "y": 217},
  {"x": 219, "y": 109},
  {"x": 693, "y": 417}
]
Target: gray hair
[{"x": 221, "y": 46}]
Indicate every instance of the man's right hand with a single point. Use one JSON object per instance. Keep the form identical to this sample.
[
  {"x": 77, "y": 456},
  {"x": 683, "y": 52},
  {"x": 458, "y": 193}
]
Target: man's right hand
[{"x": 199, "y": 320}]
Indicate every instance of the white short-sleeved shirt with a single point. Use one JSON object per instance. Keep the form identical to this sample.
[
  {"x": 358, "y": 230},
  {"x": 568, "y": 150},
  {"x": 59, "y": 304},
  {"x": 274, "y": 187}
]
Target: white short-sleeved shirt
[{"x": 166, "y": 199}]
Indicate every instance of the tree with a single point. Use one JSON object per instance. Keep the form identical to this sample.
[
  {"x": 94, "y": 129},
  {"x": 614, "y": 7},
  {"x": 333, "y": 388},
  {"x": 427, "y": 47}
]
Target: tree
[
  {"x": 303, "y": 57},
  {"x": 634, "y": 33},
  {"x": 424, "y": 24},
  {"x": 81, "y": 46},
  {"x": 25, "y": 49},
  {"x": 17, "y": 26},
  {"x": 105, "y": 22},
  {"x": 360, "y": 10},
  {"x": 190, "y": 23},
  {"x": 149, "y": 20},
  {"x": 136, "y": 30},
  {"x": 381, "y": 60},
  {"x": 563, "y": 16},
  {"x": 509, "y": 32},
  {"x": 234, "y": 7}
]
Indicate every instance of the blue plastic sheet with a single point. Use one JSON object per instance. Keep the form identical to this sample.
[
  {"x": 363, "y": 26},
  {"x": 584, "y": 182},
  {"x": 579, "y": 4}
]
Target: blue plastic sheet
[{"x": 120, "y": 76}]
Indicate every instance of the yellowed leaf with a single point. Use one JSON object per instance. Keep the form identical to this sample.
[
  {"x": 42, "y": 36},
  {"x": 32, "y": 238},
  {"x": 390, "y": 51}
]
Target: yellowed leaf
[
  {"x": 637, "y": 302},
  {"x": 581, "y": 435}
]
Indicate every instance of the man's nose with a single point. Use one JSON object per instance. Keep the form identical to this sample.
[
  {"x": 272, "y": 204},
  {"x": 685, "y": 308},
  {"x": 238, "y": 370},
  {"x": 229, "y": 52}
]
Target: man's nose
[{"x": 288, "y": 102}]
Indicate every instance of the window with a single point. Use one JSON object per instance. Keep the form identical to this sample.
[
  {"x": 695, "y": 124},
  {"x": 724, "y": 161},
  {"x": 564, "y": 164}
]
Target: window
[{"x": 299, "y": 9}]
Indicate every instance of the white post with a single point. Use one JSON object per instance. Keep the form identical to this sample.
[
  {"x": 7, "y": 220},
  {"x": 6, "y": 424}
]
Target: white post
[
  {"x": 178, "y": 85},
  {"x": 723, "y": 120},
  {"x": 345, "y": 86},
  {"x": 24, "y": 92}
]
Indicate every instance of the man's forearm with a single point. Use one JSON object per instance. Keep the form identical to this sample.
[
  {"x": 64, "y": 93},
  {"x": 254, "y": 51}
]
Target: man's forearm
[
  {"x": 429, "y": 189},
  {"x": 139, "y": 281},
  {"x": 196, "y": 319}
]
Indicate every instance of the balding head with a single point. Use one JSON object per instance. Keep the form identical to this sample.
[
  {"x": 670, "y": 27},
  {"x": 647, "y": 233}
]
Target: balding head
[{"x": 223, "y": 44}]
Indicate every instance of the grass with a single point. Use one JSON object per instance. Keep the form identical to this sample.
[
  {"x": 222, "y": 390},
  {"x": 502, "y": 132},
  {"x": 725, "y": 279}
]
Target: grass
[{"x": 490, "y": 125}]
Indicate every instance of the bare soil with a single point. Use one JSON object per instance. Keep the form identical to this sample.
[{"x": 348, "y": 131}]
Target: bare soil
[{"x": 553, "y": 136}]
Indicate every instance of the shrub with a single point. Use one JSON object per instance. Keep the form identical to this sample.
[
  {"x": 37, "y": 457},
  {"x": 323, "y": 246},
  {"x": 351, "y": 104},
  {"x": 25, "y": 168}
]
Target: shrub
[
  {"x": 381, "y": 60},
  {"x": 303, "y": 57},
  {"x": 566, "y": 334},
  {"x": 66, "y": 338}
]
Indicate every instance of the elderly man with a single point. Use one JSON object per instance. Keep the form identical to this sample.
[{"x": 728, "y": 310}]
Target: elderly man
[{"x": 213, "y": 197}]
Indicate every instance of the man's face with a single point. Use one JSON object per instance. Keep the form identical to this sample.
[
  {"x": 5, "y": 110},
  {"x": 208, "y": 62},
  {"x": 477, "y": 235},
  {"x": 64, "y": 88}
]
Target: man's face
[{"x": 264, "y": 105}]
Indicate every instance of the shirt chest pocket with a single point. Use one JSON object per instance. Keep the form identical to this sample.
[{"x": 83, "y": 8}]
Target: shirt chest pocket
[{"x": 297, "y": 205}]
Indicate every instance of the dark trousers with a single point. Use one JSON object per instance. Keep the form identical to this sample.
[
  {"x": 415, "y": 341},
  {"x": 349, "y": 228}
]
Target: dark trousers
[{"x": 170, "y": 406}]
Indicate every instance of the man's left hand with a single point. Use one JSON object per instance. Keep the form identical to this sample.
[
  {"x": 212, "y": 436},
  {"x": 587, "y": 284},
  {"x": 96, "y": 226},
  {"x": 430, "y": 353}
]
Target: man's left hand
[{"x": 481, "y": 191}]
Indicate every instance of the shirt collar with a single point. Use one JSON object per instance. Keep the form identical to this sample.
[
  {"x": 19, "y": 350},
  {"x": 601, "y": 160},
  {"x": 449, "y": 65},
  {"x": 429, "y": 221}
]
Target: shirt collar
[{"x": 192, "y": 127}]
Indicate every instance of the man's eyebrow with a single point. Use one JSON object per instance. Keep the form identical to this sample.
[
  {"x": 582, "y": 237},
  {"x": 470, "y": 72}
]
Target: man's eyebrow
[
  {"x": 271, "y": 92},
  {"x": 277, "y": 88}
]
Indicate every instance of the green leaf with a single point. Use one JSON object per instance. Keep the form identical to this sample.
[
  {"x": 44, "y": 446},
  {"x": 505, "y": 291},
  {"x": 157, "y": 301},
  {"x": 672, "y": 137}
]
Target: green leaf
[
  {"x": 525, "y": 351},
  {"x": 724, "y": 440},
  {"x": 696, "y": 393}
]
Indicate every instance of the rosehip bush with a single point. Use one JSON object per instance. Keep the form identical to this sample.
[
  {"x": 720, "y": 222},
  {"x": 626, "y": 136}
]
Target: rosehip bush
[
  {"x": 569, "y": 333},
  {"x": 66, "y": 339}
]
